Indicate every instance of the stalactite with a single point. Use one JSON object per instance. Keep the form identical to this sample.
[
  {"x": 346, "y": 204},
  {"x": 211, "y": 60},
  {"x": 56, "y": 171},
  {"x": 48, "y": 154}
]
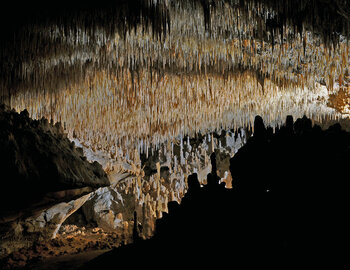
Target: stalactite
[{"x": 176, "y": 68}]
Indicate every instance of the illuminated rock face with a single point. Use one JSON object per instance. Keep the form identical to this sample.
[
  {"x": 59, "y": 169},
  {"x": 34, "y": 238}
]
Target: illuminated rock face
[
  {"x": 164, "y": 179},
  {"x": 199, "y": 67},
  {"x": 340, "y": 100},
  {"x": 48, "y": 223},
  {"x": 129, "y": 88}
]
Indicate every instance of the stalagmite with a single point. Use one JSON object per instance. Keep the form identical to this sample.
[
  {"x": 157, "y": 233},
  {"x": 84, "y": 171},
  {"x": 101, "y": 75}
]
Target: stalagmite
[{"x": 170, "y": 71}]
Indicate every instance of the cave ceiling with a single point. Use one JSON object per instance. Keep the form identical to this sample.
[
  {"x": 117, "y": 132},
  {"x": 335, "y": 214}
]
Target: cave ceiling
[{"x": 131, "y": 74}]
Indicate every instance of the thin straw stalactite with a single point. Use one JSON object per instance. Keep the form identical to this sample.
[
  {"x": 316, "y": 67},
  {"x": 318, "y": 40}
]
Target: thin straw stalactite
[{"x": 207, "y": 65}]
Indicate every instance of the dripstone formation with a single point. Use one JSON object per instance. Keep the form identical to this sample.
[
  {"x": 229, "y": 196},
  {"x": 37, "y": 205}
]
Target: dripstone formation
[{"x": 283, "y": 211}]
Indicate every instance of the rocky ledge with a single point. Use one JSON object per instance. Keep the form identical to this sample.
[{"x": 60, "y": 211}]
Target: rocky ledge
[{"x": 40, "y": 169}]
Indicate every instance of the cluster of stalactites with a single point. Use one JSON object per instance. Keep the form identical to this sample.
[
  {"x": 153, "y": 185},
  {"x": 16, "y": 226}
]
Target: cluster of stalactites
[
  {"x": 151, "y": 194},
  {"x": 234, "y": 38},
  {"x": 141, "y": 113},
  {"x": 134, "y": 90}
]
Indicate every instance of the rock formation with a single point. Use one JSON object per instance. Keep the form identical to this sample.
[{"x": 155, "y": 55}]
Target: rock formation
[
  {"x": 283, "y": 210},
  {"x": 154, "y": 91},
  {"x": 45, "y": 178},
  {"x": 163, "y": 178},
  {"x": 172, "y": 71}
]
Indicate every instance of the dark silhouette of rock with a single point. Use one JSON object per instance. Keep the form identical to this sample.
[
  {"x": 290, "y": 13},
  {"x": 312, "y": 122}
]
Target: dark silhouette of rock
[
  {"x": 287, "y": 207},
  {"x": 40, "y": 166},
  {"x": 193, "y": 183},
  {"x": 289, "y": 123},
  {"x": 259, "y": 127}
]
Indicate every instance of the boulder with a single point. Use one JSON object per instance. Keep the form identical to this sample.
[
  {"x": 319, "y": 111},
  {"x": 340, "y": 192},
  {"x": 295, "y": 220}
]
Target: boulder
[
  {"x": 109, "y": 209},
  {"x": 40, "y": 166},
  {"x": 48, "y": 223}
]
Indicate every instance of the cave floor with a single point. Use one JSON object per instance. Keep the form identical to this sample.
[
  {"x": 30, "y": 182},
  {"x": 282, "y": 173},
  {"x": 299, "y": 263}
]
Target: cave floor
[
  {"x": 67, "y": 262},
  {"x": 71, "y": 248}
]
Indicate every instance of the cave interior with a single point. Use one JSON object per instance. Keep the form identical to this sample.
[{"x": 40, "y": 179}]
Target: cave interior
[{"x": 157, "y": 132}]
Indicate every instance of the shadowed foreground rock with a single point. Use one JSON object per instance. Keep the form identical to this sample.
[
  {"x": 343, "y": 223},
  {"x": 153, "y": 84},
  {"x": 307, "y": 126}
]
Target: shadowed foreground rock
[
  {"x": 287, "y": 207},
  {"x": 40, "y": 165},
  {"x": 44, "y": 178}
]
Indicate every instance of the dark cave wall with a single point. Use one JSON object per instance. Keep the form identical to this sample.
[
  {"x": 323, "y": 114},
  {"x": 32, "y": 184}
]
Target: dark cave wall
[
  {"x": 287, "y": 207},
  {"x": 40, "y": 166}
]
